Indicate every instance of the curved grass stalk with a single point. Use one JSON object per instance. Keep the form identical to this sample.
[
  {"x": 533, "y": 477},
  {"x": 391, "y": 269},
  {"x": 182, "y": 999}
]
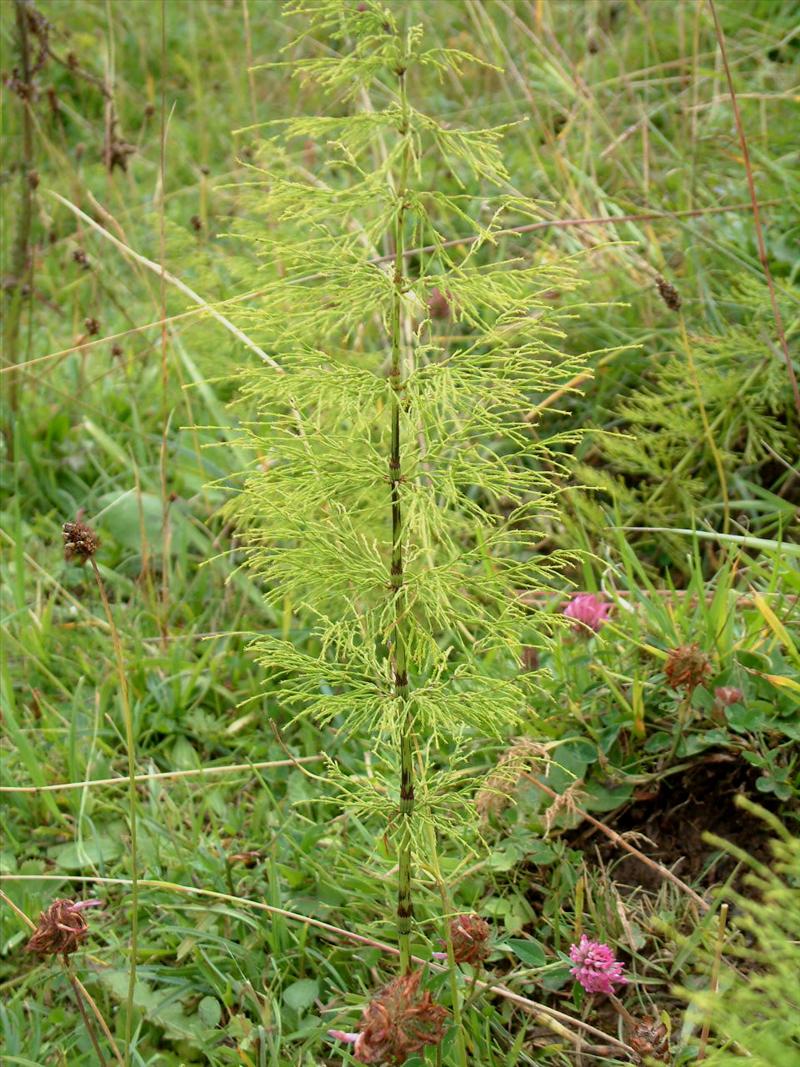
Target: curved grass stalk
[{"x": 132, "y": 809}]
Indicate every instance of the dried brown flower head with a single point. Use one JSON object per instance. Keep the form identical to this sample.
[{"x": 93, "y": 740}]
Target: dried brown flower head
[
  {"x": 687, "y": 667},
  {"x": 80, "y": 541},
  {"x": 471, "y": 937},
  {"x": 650, "y": 1039},
  {"x": 438, "y": 304},
  {"x": 61, "y": 928},
  {"x": 564, "y": 803},
  {"x": 669, "y": 294},
  {"x": 398, "y": 1022},
  {"x": 92, "y": 326},
  {"x": 116, "y": 152},
  {"x": 498, "y": 788}
]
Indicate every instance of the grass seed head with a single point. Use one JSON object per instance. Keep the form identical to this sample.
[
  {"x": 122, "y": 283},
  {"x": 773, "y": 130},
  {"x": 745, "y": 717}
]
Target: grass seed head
[
  {"x": 669, "y": 294},
  {"x": 80, "y": 541}
]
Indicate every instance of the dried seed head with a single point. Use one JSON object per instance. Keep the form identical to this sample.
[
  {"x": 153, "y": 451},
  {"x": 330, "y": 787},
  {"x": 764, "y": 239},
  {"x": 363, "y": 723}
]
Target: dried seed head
[
  {"x": 687, "y": 667},
  {"x": 61, "y": 928},
  {"x": 651, "y": 1039},
  {"x": 668, "y": 293},
  {"x": 116, "y": 152},
  {"x": 398, "y": 1022},
  {"x": 92, "y": 326},
  {"x": 80, "y": 541},
  {"x": 471, "y": 937},
  {"x": 498, "y": 788},
  {"x": 438, "y": 304},
  {"x": 566, "y": 802}
]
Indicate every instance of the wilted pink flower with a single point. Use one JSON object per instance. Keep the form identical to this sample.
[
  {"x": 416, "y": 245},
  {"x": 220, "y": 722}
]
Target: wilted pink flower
[
  {"x": 438, "y": 304},
  {"x": 61, "y": 927},
  {"x": 343, "y": 1035},
  {"x": 727, "y": 695},
  {"x": 471, "y": 936},
  {"x": 595, "y": 966},
  {"x": 588, "y": 611},
  {"x": 398, "y": 1021}
]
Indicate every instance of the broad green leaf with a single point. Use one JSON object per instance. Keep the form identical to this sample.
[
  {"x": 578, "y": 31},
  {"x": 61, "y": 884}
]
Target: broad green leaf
[
  {"x": 530, "y": 953},
  {"x": 302, "y": 994}
]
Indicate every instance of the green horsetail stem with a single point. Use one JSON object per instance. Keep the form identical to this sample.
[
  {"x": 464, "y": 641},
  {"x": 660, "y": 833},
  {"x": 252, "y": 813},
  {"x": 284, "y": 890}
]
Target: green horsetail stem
[{"x": 404, "y": 902}]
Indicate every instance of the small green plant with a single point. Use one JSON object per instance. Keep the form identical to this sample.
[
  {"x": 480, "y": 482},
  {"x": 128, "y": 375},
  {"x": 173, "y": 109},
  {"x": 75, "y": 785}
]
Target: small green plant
[
  {"x": 687, "y": 437},
  {"x": 755, "y": 1014},
  {"x": 398, "y": 487}
]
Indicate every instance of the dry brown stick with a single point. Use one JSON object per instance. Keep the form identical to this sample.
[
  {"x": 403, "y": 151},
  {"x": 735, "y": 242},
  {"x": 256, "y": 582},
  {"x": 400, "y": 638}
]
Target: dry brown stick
[
  {"x": 17, "y": 911},
  {"x": 82, "y": 1009},
  {"x": 654, "y": 865},
  {"x": 230, "y": 768},
  {"x": 99, "y": 1016},
  {"x": 547, "y": 224},
  {"x": 84, "y": 346},
  {"x": 751, "y": 185}
]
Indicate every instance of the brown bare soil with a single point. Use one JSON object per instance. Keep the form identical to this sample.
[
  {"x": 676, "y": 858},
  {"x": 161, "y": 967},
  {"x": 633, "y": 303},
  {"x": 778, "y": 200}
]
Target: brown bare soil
[{"x": 670, "y": 821}]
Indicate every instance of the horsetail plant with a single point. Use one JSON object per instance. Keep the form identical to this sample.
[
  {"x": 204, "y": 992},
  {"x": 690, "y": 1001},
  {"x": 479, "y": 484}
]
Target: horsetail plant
[{"x": 399, "y": 491}]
